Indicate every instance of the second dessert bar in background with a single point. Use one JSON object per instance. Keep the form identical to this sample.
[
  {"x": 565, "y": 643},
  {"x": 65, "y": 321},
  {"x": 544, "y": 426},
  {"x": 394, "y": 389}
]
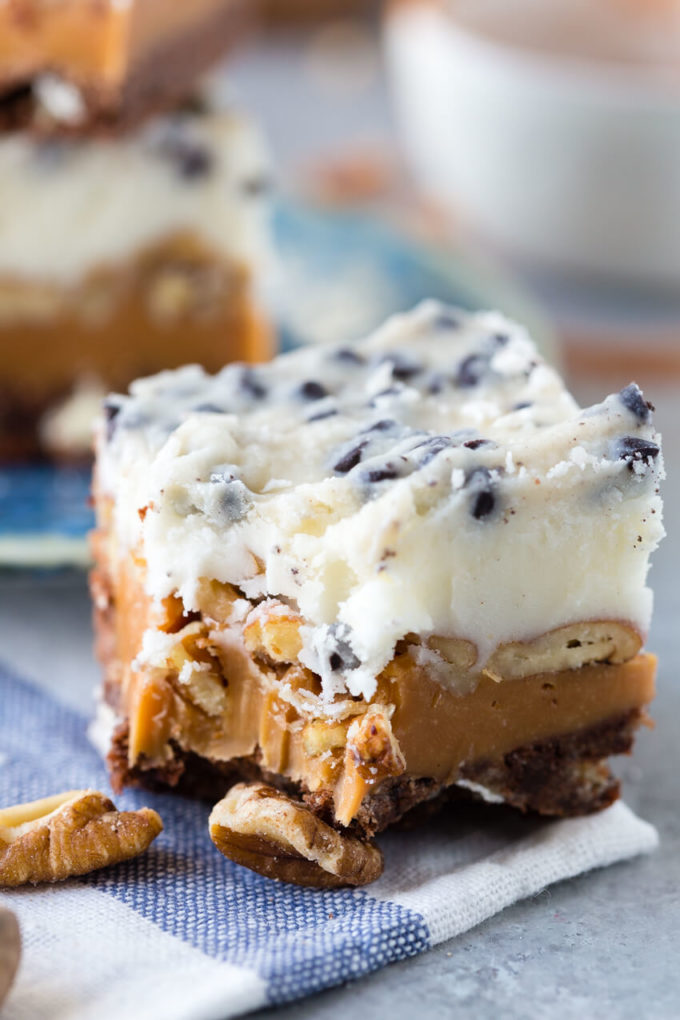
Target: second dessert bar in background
[
  {"x": 104, "y": 65},
  {"x": 121, "y": 257},
  {"x": 370, "y": 574}
]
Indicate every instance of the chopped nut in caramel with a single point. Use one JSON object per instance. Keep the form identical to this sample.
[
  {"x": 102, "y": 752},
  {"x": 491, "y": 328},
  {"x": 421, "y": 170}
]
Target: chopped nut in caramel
[
  {"x": 372, "y": 755},
  {"x": 268, "y": 832},
  {"x": 274, "y": 632},
  {"x": 70, "y": 834}
]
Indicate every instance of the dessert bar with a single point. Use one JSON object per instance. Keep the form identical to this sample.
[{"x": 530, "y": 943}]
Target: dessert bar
[
  {"x": 122, "y": 257},
  {"x": 93, "y": 65},
  {"x": 362, "y": 577}
]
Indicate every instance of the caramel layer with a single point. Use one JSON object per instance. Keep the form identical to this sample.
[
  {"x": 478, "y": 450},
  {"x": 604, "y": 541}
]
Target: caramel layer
[
  {"x": 438, "y": 731},
  {"x": 214, "y": 698},
  {"x": 174, "y": 303}
]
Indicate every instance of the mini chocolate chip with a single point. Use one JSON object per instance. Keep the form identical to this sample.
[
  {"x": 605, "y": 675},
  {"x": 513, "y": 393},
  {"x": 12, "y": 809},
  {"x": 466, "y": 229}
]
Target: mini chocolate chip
[
  {"x": 251, "y": 385},
  {"x": 474, "y": 444},
  {"x": 233, "y": 503},
  {"x": 384, "y": 425},
  {"x": 448, "y": 318},
  {"x": 635, "y": 451},
  {"x": 632, "y": 398},
  {"x": 350, "y": 459},
  {"x": 321, "y": 415},
  {"x": 253, "y": 187},
  {"x": 522, "y": 405},
  {"x": 471, "y": 370},
  {"x": 391, "y": 391},
  {"x": 49, "y": 153},
  {"x": 111, "y": 412},
  {"x": 208, "y": 409},
  {"x": 191, "y": 159},
  {"x": 383, "y": 474},
  {"x": 341, "y": 656},
  {"x": 432, "y": 447},
  {"x": 349, "y": 356},
  {"x": 435, "y": 384},
  {"x": 403, "y": 368},
  {"x": 482, "y": 493},
  {"x": 312, "y": 390},
  {"x": 500, "y": 340}
]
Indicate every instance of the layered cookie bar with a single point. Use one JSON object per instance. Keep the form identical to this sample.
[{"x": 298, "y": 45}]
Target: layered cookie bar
[
  {"x": 372, "y": 574},
  {"x": 119, "y": 258},
  {"x": 91, "y": 65}
]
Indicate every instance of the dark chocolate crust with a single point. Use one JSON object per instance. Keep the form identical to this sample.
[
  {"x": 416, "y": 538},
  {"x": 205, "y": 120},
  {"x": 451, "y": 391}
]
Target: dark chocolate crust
[
  {"x": 166, "y": 76},
  {"x": 561, "y": 777}
]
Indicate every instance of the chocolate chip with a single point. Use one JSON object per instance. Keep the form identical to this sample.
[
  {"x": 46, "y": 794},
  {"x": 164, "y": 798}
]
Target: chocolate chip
[
  {"x": 256, "y": 186},
  {"x": 471, "y": 371},
  {"x": 111, "y": 412},
  {"x": 341, "y": 655},
  {"x": 523, "y": 404},
  {"x": 251, "y": 385},
  {"x": 403, "y": 367},
  {"x": 312, "y": 390},
  {"x": 391, "y": 391},
  {"x": 632, "y": 398},
  {"x": 435, "y": 384},
  {"x": 432, "y": 447},
  {"x": 349, "y": 356},
  {"x": 482, "y": 493},
  {"x": 50, "y": 153},
  {"x": 448, "y": 318},
  {"x": 382, "y": 474},
  {"x": 229, "y": 499},
  {"x": 191, "y": 159},
  {"x": 499, "y": 340},
  {"x": 474, "y": 444},
  {"x": 350, "y": 459},
  {"x": 321, "y": 415},
  {"x": 208, "y": 409},
  {"x": 384, "y": 425},
  {"x": 636, "y": 451}
]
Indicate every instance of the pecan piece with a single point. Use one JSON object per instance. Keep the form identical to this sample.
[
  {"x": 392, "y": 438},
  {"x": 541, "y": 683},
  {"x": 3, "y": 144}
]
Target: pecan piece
[
  {"x": 273, "y": 631},
  {"x": 70, "y": 834},
  {"x": 569, "y": 647},
  {"x": 10, "y": 951},
  {"x": 268, "y": 832}
]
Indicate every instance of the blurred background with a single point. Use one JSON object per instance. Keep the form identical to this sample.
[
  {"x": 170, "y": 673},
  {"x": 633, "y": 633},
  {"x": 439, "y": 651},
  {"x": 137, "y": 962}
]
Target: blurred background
[
  {"x": 516, "y": 154},
  {"x": 540, "y": 135}
]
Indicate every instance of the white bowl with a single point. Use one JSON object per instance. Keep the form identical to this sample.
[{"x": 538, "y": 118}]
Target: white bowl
[{"x": 560, "y": 161}]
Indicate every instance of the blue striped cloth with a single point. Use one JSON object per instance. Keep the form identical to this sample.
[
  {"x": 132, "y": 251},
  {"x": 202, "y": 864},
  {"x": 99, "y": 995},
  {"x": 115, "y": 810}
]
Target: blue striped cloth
[{"x": 183, "y": 934}]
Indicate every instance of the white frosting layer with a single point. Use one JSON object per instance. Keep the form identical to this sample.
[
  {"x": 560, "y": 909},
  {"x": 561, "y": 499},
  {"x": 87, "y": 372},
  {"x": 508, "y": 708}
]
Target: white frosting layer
[
  {"x": 436, "y": 479},
  {"x": 70, "y": 206}
]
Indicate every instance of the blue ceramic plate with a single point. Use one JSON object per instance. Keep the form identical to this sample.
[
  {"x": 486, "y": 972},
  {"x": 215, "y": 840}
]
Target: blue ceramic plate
[{"x": 340, "y": 275}]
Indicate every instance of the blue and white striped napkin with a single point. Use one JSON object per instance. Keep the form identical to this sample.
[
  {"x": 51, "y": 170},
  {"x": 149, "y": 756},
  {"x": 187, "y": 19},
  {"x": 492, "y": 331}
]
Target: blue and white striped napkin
[{"x": 183, "y": 934}]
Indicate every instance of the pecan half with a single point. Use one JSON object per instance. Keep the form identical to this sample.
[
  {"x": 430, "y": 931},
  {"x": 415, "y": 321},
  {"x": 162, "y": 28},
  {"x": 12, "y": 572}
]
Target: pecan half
[
  {"x": 70, "y": 834},
  {"x": 268, "y": 832},
  {"x": 569, "y": 647}
]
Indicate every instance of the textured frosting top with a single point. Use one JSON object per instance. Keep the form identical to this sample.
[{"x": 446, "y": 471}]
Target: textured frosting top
[
  {"x": 436, "y": 478},
  {"x": 71, "y": 206}
]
